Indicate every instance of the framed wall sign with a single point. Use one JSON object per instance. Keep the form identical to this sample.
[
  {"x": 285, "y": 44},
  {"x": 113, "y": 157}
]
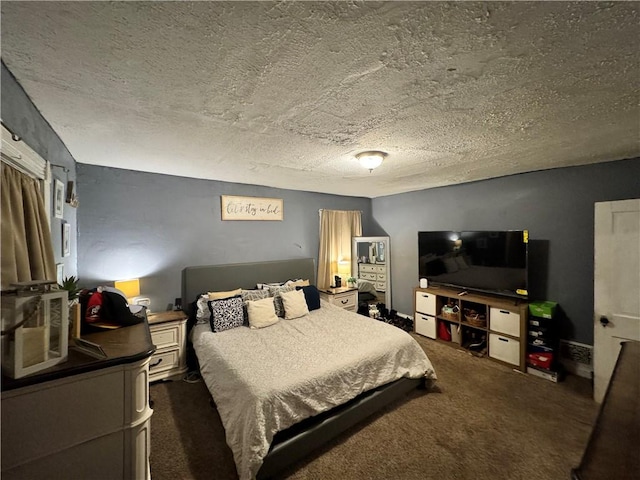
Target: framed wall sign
[
  {"x": 60, "y": 273},
  {"x": 251, "y": 208}
]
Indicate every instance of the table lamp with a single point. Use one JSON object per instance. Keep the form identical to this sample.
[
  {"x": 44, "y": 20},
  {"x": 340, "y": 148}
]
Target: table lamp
[
  {"x": 344, "y": 270},
  {"x": 130, "y": 288}
]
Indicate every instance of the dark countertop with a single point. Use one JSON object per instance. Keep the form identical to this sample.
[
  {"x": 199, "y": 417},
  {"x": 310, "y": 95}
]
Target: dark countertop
[{"x": 121, "y": 345}]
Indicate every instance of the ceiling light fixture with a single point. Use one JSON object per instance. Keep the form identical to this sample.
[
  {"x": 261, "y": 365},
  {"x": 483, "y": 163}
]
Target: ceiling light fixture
[{"x": 372, "y": 159}]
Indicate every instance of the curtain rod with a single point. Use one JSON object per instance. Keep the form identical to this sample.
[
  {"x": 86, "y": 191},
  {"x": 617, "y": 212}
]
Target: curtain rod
[
  {"x": 331, "y": 210},
  {"x": 14, "y": 137},
  {"x": 66, "y": 170}
]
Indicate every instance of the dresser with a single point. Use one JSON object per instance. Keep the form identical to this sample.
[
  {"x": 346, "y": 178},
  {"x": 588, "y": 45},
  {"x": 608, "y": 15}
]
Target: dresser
[
  {"x": 345, "y": 297},
  {"x": 375, "y": 273},
  {"x": 84, "y": 418},
  {"x": 169, "y": 335}
]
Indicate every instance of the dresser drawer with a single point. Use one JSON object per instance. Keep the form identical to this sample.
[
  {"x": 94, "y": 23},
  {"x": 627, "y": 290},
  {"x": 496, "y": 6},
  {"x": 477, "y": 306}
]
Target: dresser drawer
[
  {"x": 380, "y": 269},
  {"x": 426, "y": 303},
  {"x": 367, "y": 268},
  {"x": 346, "y": 300},
  {"x": 368, "y": 276},
  {"x": 504, "y": 348},
  {"x": 164, "y": 360},
  {"x": 381, "y": 286},
  {"x": 504, "y": 321},
  {"x": 381, "y": 277},
  {"x": 164, "y": 335},
  {"x": 425, "y": 325}
]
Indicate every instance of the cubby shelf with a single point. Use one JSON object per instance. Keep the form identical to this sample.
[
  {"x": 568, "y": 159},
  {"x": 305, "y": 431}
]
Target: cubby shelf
[{"x": 501, "y": 338}]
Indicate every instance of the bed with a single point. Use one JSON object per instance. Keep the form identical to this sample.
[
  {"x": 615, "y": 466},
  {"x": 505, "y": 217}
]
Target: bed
[{"x": 283, "y": 390}]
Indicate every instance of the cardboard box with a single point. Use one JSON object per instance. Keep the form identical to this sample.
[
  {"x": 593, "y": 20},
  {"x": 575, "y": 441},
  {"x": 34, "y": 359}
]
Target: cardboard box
[
  {"x": 531, "y": 348},
  {"x": 541, "y": 341},
  {"x": 547, "y": 323},
  {"x": 543, "y": 309},
  {"x": 540, "y": 360},
  {"x": 546, "y": 374}
]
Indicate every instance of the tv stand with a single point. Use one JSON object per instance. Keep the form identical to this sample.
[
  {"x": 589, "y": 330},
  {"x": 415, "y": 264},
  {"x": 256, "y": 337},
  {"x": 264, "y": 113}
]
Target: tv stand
[{"x": 481, "y": 324}]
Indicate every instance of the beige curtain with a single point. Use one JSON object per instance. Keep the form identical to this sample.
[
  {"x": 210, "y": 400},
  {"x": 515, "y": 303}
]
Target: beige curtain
[
  {"x": 27, "y": 252},
  {"x": 337, "y": 228}
]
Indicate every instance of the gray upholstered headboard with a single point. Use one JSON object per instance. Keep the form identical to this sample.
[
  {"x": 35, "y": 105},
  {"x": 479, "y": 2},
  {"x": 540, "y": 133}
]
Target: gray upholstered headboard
[{"x": 211, "y": 278}]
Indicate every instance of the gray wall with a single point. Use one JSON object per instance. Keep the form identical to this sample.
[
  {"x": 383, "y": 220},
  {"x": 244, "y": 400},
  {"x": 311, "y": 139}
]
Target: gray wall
[
  {"x": 21, "y": 116},
  {"x": 151, "y": 226},
  {"x": 556, "y": 206}
]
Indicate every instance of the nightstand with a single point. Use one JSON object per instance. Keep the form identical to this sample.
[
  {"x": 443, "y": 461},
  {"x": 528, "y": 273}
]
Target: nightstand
[
  {"x": 345, "y": 297},
  {"x": 169, "y": 335}
]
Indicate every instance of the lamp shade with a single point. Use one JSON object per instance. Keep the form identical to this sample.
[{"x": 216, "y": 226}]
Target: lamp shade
[
  {"x": 130, "y": 288},
  {"x": 371, "y": 159},
  {"x": 344, "y": 267}
]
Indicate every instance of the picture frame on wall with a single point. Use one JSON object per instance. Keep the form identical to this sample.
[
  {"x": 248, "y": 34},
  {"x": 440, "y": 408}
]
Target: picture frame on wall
[
  {"x": 66, "y": 239},
  {"x": 60, "y": 273},
  {"x": 58, "y": 199}
]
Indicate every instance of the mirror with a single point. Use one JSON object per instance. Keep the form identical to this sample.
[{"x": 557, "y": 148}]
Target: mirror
[{"x": 370, "y": 263}]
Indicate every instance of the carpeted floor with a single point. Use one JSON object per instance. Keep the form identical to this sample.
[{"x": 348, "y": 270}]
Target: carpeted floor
[{"x": 481, "y": 421}]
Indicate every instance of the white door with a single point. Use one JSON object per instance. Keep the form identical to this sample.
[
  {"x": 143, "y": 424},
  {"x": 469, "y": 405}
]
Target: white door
[{"x": 616, "y": 285}]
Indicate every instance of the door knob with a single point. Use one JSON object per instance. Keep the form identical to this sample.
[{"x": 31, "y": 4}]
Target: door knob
[{"x": 604, "y": 321}]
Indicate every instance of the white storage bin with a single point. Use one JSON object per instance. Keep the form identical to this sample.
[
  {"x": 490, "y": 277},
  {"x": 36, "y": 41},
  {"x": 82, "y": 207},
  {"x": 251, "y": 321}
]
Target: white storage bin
[
  {"x": 425, "y": 325},
  {"x": 504, "y": 321},
  {"x": 504, "y": 348},
  {"x": 426, "y": 303}
]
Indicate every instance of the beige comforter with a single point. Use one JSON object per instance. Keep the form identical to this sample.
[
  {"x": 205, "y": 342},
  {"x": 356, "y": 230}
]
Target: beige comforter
[{"x": 263, "y": 381}]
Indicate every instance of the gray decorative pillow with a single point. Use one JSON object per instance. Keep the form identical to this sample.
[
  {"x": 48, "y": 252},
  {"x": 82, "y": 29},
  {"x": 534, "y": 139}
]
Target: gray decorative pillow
[
  {"x": 253, "y": 295},
  {"x": 277, "y": 299},
  {"x": 226, "y": 313}
]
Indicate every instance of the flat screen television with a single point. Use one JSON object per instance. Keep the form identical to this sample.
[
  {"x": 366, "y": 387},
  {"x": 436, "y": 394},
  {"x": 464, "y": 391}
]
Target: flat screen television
[{"x": 483, "y": 261}]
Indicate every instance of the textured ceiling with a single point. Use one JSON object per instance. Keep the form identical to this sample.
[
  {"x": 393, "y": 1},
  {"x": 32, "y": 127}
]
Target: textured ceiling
[{"x": 285, "y": 94}]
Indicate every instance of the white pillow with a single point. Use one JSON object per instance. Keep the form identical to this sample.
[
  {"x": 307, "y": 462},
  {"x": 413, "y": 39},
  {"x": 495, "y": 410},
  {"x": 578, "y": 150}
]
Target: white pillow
[
  {"x": 262, "y": 313},
  {"x": 221, "y": 295},
  {"x": 203, "y": 314},
  {"x": 297, "y": 283},
  {"x": 266, "y": 286},
  {"x": 295, "y": 305}
]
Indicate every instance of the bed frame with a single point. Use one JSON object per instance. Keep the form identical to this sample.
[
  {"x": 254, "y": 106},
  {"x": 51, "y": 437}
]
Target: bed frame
[{"x": 296, "y": 442}]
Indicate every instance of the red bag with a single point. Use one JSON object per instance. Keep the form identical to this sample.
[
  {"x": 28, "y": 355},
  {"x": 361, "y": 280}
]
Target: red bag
[{"x": 444, "y": 332}]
